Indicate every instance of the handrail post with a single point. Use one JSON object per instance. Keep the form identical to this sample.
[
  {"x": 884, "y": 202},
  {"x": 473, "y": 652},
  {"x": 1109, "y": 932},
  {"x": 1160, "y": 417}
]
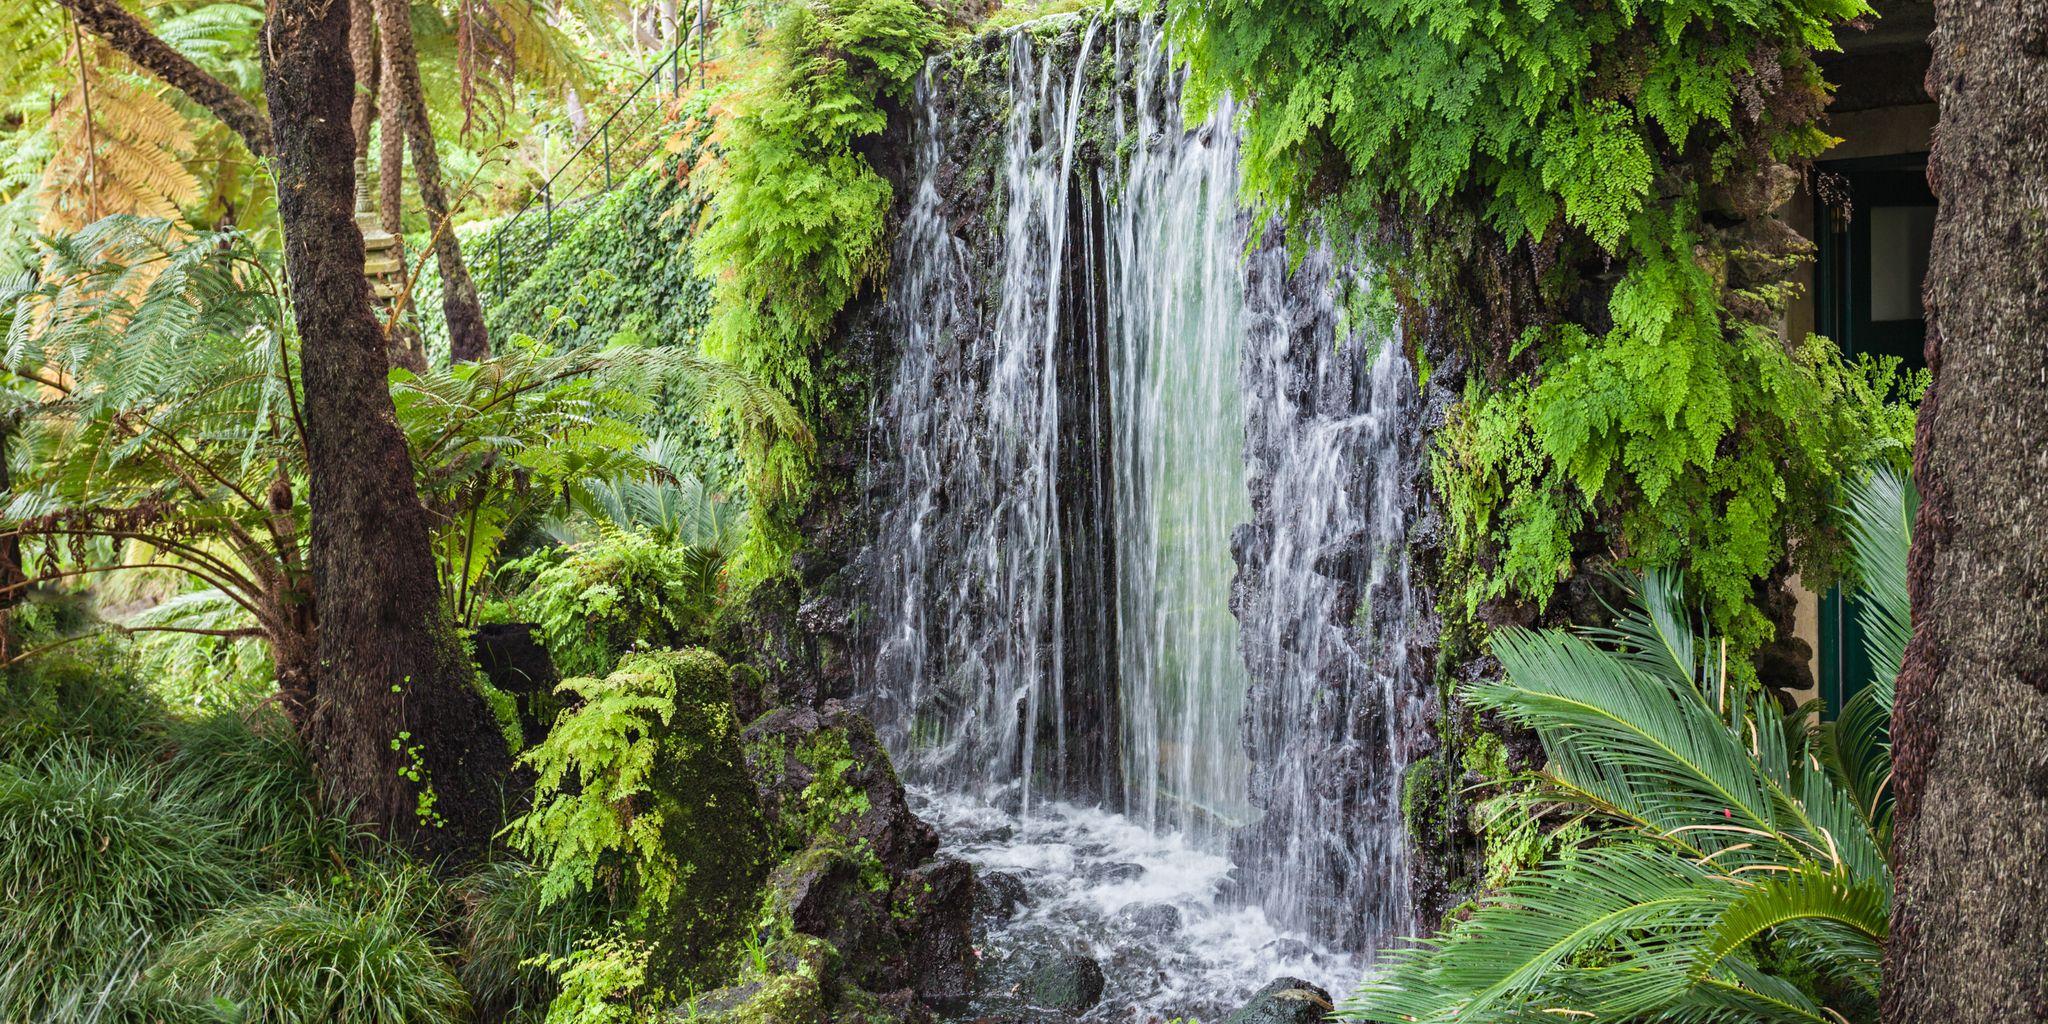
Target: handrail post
[
  {"x": 606, "y": 131},
  {"x": 547, "y": 195}
]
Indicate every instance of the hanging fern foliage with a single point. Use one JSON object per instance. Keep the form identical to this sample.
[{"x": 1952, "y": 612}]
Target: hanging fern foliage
[
  {"x": 1581, "y": 193},
  {"x": 796, "y": 225}
]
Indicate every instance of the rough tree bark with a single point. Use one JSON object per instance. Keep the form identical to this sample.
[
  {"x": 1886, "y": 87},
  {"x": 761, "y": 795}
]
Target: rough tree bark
[
  {"x": 390, "y": 150},
  {"x": 467, "y": 337},
  {"x": 362, "y": 52},
  {"x": 1970, "y": 924},
  {"x": 397, "y": 728},
  {"x": 111, "y": 22}
]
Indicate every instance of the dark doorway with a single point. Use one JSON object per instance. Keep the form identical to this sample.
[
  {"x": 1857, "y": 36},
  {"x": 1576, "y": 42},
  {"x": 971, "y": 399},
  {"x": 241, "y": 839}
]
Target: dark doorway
[{"x": 1876, "y": 227}]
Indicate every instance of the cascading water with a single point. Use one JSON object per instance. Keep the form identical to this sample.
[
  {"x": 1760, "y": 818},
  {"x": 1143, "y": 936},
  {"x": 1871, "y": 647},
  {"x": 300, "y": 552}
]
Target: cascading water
[
  {"x": 973, "y": 649},
  {"x": 1108, "y": 434},
  {"x": 1328, "y": 611},
  {"x": 1175, "y": 321}
]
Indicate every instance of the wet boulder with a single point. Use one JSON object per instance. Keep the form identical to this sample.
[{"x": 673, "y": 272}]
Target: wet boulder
[
  {"x": 822, "y": 771},
  {"x": 1000, "y": 895},
  {"x": 1070, "y": 984},
  {"x": 856, "y": 867},
  {"x": 1284, "y": 1001}
]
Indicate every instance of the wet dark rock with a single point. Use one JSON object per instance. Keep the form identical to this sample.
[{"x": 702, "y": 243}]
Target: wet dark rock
[
  {"x": 857, "y": 866},
  {"x": 1283, "y": 1001},
  {"x": 787, "y": 748},
  {"x": 1156, "y": 918},
  {"x": 1072, "y": 983},
  {"x": 934, "y": 906},
  {"x": 1000, "y": 895},
  {"x": 1118, "y": 871}
]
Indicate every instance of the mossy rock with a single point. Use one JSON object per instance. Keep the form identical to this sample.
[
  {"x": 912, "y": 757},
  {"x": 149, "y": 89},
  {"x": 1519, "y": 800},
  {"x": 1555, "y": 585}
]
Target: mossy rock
[
  {"x": 796, "y": 980},
  {"x": 712, "y": 827}
]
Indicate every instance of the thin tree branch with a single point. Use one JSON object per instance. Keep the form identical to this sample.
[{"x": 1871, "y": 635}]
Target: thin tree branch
[{"x": 108, "y": 20}]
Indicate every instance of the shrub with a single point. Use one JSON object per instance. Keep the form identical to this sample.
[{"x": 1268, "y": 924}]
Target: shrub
[
  {"x": 642, "y": 794},
  {"x": 298, "y": 957}
]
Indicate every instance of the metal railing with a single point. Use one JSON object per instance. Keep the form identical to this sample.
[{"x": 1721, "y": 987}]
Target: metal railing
[{"x": 603, "y": 157}]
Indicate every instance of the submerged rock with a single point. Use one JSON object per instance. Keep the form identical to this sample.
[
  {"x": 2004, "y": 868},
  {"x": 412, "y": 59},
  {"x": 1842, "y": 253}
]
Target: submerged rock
[
  {"x": 1155, "y": 918},
  {"x": 1289, "y": 949},
  {"x": 1072, "y": 983},
  {"x": 1284, "y": 1001},
  {"x": 1119, "y": 871},
  {"x": 1000, "y": 895}
]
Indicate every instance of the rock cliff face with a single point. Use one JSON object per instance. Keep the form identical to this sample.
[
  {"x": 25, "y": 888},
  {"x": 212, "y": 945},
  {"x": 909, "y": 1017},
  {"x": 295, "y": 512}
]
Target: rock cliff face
[{"x": 1016, "y": 647}]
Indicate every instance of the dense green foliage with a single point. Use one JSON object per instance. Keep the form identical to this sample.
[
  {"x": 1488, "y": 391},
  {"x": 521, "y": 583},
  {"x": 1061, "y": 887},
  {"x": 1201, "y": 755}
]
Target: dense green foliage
[
  {"x": 164, "y": 442},
  {"x": 1710, "y": 856},
  {"x": 1582, "y": 188},
  {"x": 595, "y": 602},
  {"x": 619, "y": 261},
  {"x": 797, "y": 216}
]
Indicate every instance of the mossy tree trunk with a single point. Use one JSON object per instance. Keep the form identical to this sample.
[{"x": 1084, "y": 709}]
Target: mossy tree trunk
[
  {"x": 1970, "y": 924},
  {"x": 396, "y": 727}
]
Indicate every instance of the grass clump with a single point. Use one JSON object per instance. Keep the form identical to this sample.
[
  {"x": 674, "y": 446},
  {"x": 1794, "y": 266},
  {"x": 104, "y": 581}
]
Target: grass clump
[
  {"x": 294, "y": 956},
  {"x": 98, "y": 859}
]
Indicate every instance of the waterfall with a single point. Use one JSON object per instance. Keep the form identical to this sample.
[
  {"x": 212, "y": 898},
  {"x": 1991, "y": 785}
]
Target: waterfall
[
  {"x": 1175, "y": 322},
  {"x": 1328, "y": 610},
  {"x": 1139, "y": 514}
]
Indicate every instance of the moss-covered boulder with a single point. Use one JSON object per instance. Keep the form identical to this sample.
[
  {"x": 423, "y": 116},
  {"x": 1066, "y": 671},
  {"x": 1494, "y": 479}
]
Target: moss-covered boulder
[
  {"x": 713, "y": 830},
  {"x": 857, "y": 866},
  {"x": 642, "y": 790}
]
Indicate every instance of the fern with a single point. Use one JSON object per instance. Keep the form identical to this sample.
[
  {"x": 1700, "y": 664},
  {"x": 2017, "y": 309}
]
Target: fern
[
  {"x": 796, "y": 223},
  {"x": 624, "y": 591},
  {"x": 1637, "y": 398}
]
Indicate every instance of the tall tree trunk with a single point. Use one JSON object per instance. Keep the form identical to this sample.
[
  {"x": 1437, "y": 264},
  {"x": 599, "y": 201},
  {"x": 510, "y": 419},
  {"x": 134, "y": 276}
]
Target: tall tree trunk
[
  {"x": 467, "y": 337},
  {"x": 362, "y": 52},
  {"x": 1970, "y": 926},
  {"x": 398, "y": 728},
  {"x": 390, "y": 150}
]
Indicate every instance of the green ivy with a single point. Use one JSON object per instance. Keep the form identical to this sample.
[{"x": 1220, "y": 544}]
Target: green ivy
[
  {"x": 797, "y": 220},
  {"x": 1581, "y": 190}
]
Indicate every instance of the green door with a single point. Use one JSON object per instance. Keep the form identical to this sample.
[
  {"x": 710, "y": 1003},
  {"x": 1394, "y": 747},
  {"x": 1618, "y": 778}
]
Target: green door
[{"x": 1876, "y": 226}]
